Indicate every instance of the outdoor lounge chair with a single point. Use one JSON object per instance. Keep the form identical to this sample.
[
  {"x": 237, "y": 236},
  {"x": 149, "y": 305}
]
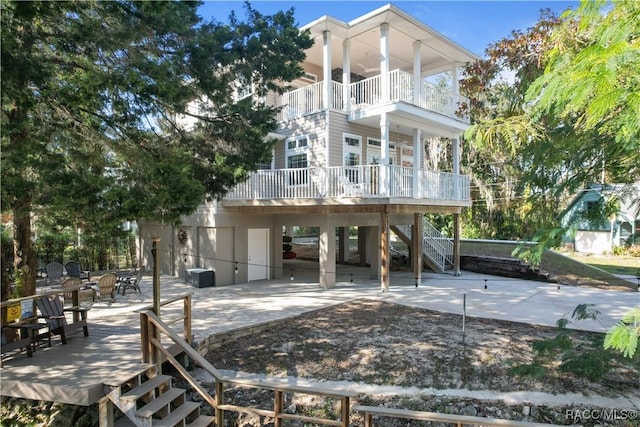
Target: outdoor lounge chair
[
  {"x": 51, "y": 309},
  {"x": 107, "y": 286},
  {"x": 74, "y": 282},
  {"x": 73, "y": 270},
  {"x": 133, "y": 283},
  {"x": 54, "y": 272}
]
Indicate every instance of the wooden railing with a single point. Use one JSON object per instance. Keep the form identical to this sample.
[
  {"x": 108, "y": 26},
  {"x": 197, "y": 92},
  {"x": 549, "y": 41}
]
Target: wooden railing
[
  {"x": 156, "y": 351},
  {"x": 457, "y": 420},
  {"x": 369, "y": 181}
]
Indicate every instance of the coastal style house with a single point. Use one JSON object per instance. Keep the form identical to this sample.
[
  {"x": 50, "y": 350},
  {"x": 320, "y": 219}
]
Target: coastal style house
[
  {"x": 591, "y": 231},
  {"x": 351, "y": 153}
]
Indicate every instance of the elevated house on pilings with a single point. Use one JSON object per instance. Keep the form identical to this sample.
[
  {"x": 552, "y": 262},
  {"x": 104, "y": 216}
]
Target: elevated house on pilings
[{"x": 351, "y": 152}]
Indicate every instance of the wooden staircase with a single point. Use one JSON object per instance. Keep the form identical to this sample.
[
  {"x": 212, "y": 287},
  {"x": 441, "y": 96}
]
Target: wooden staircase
[{"x": 149, "y": 399}]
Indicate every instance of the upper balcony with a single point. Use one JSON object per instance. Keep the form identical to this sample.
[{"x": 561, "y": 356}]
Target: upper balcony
[
  {"x": 371, "y": 184},
  {"x": 368, "y": 95}
]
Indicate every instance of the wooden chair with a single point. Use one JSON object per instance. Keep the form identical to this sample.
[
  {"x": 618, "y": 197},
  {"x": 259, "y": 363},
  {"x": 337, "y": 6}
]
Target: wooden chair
[
  {"x": 73, "y": 270},
  {"x": 107, "y": 286},
  {"x": 51, "y": 309},
  {"x": 74, "y": 282},
  {"x": 133, "y": 283},
  {"x": 54, "y": 272}
]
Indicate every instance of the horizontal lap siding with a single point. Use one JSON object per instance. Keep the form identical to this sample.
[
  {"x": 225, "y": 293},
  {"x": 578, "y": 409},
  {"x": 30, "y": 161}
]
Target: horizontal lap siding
[{"x": 312, "y": 125}]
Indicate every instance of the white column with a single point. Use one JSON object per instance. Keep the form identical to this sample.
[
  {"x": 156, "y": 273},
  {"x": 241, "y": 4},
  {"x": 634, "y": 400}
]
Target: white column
[
  {"x": 417, "y": 163},
  {"x": 384, "y": 61},
  {"x": 326, "y": 69},
  {"x": 327, "y": 254},
  {"x": 456, "y": 167},
  {"x": 346, "y": 75},
  {"x": 417, "y": 73},
  {"x": 455, "y": 80},
  {"x": 384, "y": 154}
]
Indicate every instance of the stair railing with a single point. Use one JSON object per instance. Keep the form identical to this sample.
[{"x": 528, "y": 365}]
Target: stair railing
[{"x": 154, "y": 350}]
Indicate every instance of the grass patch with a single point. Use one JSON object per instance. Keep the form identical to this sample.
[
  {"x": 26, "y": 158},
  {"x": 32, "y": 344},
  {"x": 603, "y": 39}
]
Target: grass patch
[{"x": 561, "y": 268}]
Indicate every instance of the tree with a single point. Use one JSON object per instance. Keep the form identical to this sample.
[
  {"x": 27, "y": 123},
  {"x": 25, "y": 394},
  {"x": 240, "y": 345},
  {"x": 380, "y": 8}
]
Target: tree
[
  {"x": 504, "y": 205},
  {"x": 91, "y": 96}
]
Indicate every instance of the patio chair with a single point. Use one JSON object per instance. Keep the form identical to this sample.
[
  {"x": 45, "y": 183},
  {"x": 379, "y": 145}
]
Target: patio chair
[
  {"x": 74, "y": 282},
  {"x": 54, "y": 272},
  {"x": 133, "y": 283},
  {"x": 350, "y": 189},
  {"x": 51, "y": 309},
  {"x": 107, "y": 286},
  {"x": 73, "y": 270},
  {"x": 124, "y": 276}
]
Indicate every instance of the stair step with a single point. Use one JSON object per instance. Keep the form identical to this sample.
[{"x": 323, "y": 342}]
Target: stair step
[
  {"x": 203, "y": 421},
  {"x": 146, "y": 387},
  {"x": 125, "y": 375},
  {"x": 160, "y": 402},
  {"x": 179, "y": 414}
]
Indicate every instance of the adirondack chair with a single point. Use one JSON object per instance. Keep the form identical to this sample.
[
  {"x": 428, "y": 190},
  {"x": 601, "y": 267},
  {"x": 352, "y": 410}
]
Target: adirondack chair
[
  {"x": 74, "y": 282},
  {"x": 107, "y": 286},
  {"x": 73, "y": 270},
  {"x": 133, "y": 283},
  {"x": 51, "y": 309},
  {"x": 54, "y": 272},
  {"x": 125, "y": 276}
]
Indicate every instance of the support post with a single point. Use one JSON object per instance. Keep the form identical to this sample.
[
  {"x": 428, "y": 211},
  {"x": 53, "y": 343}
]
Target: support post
[
  {"x": 327, "y": 255},
  {"x": 384, "y": 250},
  {"x": 416, "y": 251},
  {"x": 362, "y": 246},
  {"x": 346, "y": 75},
  {"x": 417, "y": 164},
  {"x": 456, "y": 244},
  {"x": 156, "y": 276},
  {"x": 326, "y": 70}
]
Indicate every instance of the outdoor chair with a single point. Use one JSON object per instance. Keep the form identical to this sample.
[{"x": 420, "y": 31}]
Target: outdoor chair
[
  {"x": 125, "y": 276},
  {"x": 133, "y": 283},
  {"x": 73, "y": 270},
  {"x": 74, "y": 282},
  {"x": 51, "y": 309},
  {"x": 107, "y": 286},
  {"x": 54, "y": 272},
  {"x": 350, "y": 189}
]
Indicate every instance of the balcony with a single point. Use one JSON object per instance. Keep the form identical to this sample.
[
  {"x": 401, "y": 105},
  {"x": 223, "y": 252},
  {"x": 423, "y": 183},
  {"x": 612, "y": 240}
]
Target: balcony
[
  {"x": 369, "y": 93},
  {"x": 373, "y": 182}
]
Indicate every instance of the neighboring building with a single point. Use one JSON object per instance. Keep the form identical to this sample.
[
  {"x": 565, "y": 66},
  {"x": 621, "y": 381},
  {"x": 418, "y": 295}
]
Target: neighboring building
[
  {"x": 590, "y": 231},
  {"x": 351, "y": 153}
]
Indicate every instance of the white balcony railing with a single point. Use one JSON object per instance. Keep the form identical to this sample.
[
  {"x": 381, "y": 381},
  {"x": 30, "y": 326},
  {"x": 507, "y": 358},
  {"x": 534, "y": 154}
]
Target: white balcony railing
[
  {"x": 369, "y": 93},
  {"x": 373, "y": 181}
]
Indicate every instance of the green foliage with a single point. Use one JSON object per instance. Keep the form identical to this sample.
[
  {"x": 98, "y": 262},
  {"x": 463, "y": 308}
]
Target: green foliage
[
  {"x": 544, "y": 239},
  {"x": 562, "y": 354},
  {"x": 623, "y": 337},
  {"x": 94, "y": 95}
]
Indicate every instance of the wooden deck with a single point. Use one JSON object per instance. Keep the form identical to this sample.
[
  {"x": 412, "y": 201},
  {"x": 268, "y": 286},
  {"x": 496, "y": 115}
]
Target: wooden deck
[{"x": 73, "y": 373}]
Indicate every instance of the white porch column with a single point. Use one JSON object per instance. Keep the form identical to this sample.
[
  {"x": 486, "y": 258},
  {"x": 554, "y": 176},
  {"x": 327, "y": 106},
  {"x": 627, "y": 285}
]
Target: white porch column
[
  {"x": 455, "y": 80},
  {"x": 384, "y": 62},
  {"x": 346, "y": 75},
  {"x": 327, "y": 255},
  {"x": 417, "y": 73},
  {"x": 326, "y": 69},
  {"x": 417, "y": 163},
  {"x": 384, "y": 154},
  {"x": 456, "y": 167}
]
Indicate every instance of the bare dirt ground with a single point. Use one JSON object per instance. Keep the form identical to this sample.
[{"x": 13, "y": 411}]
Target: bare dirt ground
[{"x": 380, "y": 343}]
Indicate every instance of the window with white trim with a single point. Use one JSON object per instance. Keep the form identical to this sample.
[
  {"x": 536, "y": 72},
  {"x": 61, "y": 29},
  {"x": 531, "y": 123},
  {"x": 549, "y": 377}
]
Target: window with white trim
[
  {"x": 297, "y": 150},
  {"x": 352, "y": 153}
]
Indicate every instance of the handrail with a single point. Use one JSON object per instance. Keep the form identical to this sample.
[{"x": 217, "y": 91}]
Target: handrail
[
  {"x": 458, "y": 420},
  {"x": 152, "y": 326}
]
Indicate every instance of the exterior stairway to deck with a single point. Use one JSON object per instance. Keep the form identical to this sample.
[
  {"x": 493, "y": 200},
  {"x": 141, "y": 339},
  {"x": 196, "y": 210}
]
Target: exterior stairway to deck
[
  {"x": 149, "y": 399},
  {"x": 437, "y": 249}
]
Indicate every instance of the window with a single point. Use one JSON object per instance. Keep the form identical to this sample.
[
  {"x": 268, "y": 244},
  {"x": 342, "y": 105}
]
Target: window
[
  {"x": 352, "y": 153},
  {"x": 297, "y": 158}
]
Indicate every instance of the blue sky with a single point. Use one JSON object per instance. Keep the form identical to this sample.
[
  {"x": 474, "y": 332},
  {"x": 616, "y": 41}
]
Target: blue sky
[{"x": 472, "y": 24}]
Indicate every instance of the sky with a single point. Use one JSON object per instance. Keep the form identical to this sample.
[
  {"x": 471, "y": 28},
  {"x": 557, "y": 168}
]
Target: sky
[{"x": 472, "y": 24}]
